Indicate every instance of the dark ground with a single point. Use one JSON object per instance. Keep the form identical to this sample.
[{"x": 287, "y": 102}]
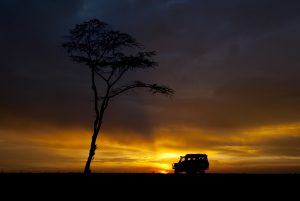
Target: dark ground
[{"x": 238, "y": 186}]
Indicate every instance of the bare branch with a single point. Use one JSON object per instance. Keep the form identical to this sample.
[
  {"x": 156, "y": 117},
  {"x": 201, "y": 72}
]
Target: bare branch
[
  {"x": 111, "y": 75},
  {"x": 119, "y": 76},
  {"x": 99, "y": 74}
]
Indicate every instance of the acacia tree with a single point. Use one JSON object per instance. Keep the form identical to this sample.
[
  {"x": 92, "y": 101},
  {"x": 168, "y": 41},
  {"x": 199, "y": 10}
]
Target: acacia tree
[{"x": 109, "y": 55}]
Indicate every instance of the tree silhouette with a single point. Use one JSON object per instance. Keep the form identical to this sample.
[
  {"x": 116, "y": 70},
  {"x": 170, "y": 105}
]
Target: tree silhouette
[{"x": 109, "y": 54}]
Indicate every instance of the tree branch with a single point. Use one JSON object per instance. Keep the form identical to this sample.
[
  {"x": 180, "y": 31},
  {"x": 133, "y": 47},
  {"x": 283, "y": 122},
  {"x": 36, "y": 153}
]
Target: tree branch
[
  {"x": 110, "y": 76},
  {"x": 99, "y": 74},
  {"x": 120, "y": 76},
  {"x": 153, "y": 88}
]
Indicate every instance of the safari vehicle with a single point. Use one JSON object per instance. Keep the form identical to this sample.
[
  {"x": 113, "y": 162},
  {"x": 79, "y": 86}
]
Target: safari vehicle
[{"x": 191, "y": 164}]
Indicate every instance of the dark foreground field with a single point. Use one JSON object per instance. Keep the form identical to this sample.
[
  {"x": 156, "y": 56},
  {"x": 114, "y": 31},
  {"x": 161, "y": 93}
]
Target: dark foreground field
[{"x": 170, "y": 185}]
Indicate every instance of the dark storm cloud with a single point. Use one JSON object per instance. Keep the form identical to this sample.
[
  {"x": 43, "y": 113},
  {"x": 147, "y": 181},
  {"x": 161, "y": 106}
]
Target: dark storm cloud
[
  {"x": 233, "y": 63},
  {"x": 236, "y": 104},
  {"x": 36, "y": 84}
]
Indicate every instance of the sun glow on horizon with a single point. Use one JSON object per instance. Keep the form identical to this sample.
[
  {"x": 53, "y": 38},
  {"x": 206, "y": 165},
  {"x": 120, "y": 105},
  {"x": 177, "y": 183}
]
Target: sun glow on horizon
[{"x": 67, "y": 151}]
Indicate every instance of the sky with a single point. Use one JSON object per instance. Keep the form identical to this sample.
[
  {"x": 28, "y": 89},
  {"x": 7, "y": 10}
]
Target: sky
[{"x": 233, "y": 64}]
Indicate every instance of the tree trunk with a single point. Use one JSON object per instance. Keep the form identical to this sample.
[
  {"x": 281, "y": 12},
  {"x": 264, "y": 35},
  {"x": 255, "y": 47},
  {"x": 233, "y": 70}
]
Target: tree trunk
[
  {"x": 97, "y": 124},
  {"x": 93, "y": 147}
]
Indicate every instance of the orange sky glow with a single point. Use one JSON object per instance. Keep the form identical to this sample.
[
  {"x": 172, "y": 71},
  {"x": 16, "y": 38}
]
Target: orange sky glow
[{"x": 66, "y": 151}]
